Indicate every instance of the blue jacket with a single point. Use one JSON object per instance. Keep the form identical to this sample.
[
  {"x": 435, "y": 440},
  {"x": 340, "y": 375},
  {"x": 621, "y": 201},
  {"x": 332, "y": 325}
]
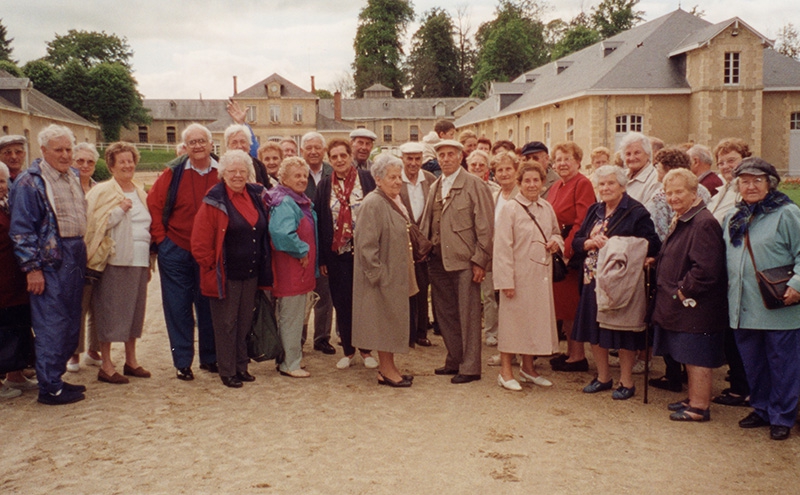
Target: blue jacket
[
  {"x": 775, "y": 239},
  {"x": 34, "y": 228}
]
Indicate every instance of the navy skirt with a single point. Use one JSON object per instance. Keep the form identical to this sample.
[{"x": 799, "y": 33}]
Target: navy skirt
[
  {"x": 697, "y": 349},
  {"x": 586, "y": 329}
]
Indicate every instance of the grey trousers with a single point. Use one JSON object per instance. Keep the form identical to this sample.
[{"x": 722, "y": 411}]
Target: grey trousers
[
  {"x": 289, "y": 312},
  {"x": 232, "y": 318},
  {"x": 457, "y": 304}
]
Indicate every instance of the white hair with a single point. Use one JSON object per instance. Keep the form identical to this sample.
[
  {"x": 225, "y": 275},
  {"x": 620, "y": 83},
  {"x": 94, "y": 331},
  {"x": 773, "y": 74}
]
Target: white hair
[
  {"x": 383, "y": 162},
  {"x": 194, "y": 126},
  {"x": 289, "y": 163},
  {"x": 309, "y": 136},
  {"x": 86, "y": 147},
  {"x": 636, "y": 137},
  {"x": 702, "y": 153},
  {"x": 55, "y": 131},
  {"x": 232, "y": 156},
  {"x": 4, "y": 172},
  {"x": 237, "y": 128},
  {"x": 606, "y": 170}
]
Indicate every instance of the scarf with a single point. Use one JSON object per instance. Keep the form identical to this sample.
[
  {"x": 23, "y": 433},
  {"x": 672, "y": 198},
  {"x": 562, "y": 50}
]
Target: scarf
[
  {"x": 4, "y": 207},
  {"x": 277, "y": 193},
  {"x": 737, "y": 226},
  {"x": 343, "y": 231}
]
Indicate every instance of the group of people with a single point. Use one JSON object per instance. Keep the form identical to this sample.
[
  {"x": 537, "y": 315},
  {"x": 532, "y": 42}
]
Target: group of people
[{"x": 510, "y": 242}]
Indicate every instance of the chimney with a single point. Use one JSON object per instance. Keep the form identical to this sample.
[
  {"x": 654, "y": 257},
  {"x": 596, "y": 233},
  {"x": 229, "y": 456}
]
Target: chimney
[
  {"x": 235, "y": 87},
  {"x": 313, "y": 89},
  {"x": 337, "y": 106}
]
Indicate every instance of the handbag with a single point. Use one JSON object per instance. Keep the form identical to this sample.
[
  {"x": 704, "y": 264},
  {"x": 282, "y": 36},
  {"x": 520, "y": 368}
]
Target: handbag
[
  {"x": 421, "y": 246},
  {"x": 559, "y": 267},
  {"x": 772, "y": 282},
  {"x": 16, "y": 340},
  {"x": 263, "y": 340}
]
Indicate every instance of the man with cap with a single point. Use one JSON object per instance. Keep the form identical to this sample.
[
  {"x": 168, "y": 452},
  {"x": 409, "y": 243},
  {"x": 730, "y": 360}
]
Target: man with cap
[
  {"x": 362, "y": 141},
  {"x": 12, "y": 153},
  {"x": 536, "y": 151},
  {"x": 413, "y": 193},
  {"x": 459, "y": 220}
]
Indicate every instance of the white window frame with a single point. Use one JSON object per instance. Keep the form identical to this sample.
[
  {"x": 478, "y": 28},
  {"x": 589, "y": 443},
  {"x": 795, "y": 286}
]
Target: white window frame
[
  {"x": 275, "y": 114},
  {"x": 731, "y": 68},
  {"x": 297, "y": 114}
]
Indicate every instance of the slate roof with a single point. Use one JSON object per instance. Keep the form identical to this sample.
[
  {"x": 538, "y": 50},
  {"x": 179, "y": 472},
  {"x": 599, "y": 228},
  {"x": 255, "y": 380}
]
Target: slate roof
[
  {"x": 195, "y": 110},
  {"x": 328, "y": 124},
  {"x": 383, "y": 108},
  {"x": 378, "y": 87},
  {"x": 288, "y": 89},
  {"x": 38, "y": 103},
  {"x": 643, "y": 60}
]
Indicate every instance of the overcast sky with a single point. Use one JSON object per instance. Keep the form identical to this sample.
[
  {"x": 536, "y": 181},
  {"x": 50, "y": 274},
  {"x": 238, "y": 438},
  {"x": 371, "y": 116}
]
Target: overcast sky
[{"x": 184, "y": 49}]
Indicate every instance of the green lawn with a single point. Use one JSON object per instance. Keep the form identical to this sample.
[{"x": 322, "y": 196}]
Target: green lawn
[{"x": 793, "y": 192}]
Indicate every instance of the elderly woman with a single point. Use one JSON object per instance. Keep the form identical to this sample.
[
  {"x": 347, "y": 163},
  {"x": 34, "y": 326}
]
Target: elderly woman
[
  {"x": 763, "y": 232},
  {"x": 230, "y": 243},
  {"x": 337, "y": 203},
  {"x": 293, "y": 231},
  {"x": 526, "y": 235},
  {"x": 118, "y": 246},
  {"x": 691, "y": 293},
  {"x": 84, "y": 160},
  {"x": 15, "y": 309},
  {"x": 598, "y": 157},
  {"x": 616, "y": 214},
  {"x": 238, "y": 137},
  {"x": 571, "y": 198},
  {"x": 729, "y": 153},
  {"x": 637, "y": 154},
  {"x": 478, "y": 165},
  {"x": 384, "y": 277},
  {"x": 271, "y": 155}
]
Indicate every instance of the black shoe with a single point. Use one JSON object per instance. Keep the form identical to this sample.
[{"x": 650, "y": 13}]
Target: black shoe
[
  {"x": 436, "y": 330},
  {"x": 403, "y": 383},
  {"x": 73, "y": 388},
  {"x": 231, "y": 381},
  {"x": 424, "y": 342},
  {"x": 557, "y": 360},
  {"x": 779, "y": 432},
  {"x": 727, "y": 398},
  {"x": 185, "y": 374},
  {"x": 445, "y": 371},
  {"x": 665, "y": 383},
  {"x": 465, "y": 378},
  {"x": 753, "y": 420},
  {"x": 582, "y": 365},
  {"x": 325, "y": 347},
  {"x": 210, "y": 367},
  {"x": 65, "y": 397},
  {"x": 244, "y": 376}
]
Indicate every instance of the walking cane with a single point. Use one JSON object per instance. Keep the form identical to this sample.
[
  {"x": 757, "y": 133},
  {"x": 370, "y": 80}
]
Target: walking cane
[{"x": 647, "y": 337}]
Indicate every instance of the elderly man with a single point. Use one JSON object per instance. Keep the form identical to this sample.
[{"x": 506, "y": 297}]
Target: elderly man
[
  {"x": 701, "y": 162},
  {"x": 289, "y": 147},
  {"x": 362, "y": 141},
  {"x": 459, "y": 221},
  {"x": 237, "y": 137},
  {"x": 173, "y": 202},
  {"x": 536, "y": 151},
  {"x": 48, "y": 221},
  {"x": 642, "y": 175},
  {"x": 414, "y": 193},
  {"x": 12, "y": 153},
  {"x": 312, "y": 147}
]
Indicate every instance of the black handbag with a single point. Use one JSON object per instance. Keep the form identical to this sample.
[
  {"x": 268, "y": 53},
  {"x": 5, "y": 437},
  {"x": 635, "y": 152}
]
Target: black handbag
[
  {"x": 772, "y": 282},
  {"x": 421, "y": 246},
  {"x": 16, "y": 339},
  {"x": 559, "y": 267},
  {"x": 263, "y": 340}
]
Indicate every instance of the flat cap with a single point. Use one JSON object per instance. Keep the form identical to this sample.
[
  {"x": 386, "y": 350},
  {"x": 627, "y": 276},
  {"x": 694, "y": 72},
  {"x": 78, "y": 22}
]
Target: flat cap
[
  {"x": 755, "y": 166},
  {"x": 12, "y": 139},
  {"x": 411, "y": 147},
  {"x": 534, "y": 147},
  {"x": 365, "y": 133},
  {"x": 448, "y": 142}
]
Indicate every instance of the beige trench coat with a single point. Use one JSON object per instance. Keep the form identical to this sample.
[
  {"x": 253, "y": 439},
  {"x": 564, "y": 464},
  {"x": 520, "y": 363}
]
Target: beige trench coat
[
  {"x": 382, "y": 280},
  {"x": 527, "y": 322}
]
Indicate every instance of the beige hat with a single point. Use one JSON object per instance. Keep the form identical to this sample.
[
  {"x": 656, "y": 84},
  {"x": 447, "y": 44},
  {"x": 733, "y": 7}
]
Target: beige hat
[
  {"x": 448, "y": 142},
  {"x": 412, "y": 147},
  {"x": 365, "y": 133},
  {"x": 12, "y": 139}
]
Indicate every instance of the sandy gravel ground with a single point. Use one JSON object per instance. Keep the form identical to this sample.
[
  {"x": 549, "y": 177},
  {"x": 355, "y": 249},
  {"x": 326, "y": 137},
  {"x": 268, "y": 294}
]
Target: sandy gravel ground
[{"x": 338, "y": 432}]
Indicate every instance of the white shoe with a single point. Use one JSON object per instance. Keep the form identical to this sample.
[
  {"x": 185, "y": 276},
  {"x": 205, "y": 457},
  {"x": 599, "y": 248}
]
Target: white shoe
[
  {"x": 613, "y": 361},
  {"x": 298, "y": 373},
  {"x": 345, "y": 362},
  {"x": 509, "y": 385},
  {"x": 491, "y": 340},
  {"x": 638, "y": 368},
  {"x": 370, "y": 362},
  {"x": 28, "y": 384},
  {"x": 90, "y": 361},
  {"x": 73, "y": 367},
  {"x": 494, "y": 360},
  {"x": 7, "y": 392},
  {"x": 537, "y": 380}
]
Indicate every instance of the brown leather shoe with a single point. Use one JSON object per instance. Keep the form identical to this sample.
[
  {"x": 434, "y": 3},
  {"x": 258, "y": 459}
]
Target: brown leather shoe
[
  {"x": 137, "y": 372},
  {"x": 116, "y": 378}
]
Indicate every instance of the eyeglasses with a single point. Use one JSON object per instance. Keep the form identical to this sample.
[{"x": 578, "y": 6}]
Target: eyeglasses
[
  {"x": 234, "y": 173},
  {"x": 754, "y": 181},
  {"x": 197, "y": 142}
]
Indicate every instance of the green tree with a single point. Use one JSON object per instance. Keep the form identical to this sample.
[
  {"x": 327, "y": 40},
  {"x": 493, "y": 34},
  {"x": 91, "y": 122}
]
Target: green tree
[
  {"x": 611, "y": 17},
  {"x": 378, "y": 46},
  {"x": 323, "y": 94},
  {"x": 42, "y": 74},
  {"x": 88, "y": 47},
  {"x": 577, "y": 35},
  {"x": 72, "y": 89},
  {"x": 5, "y": 44},
  {"x": 11, "y": 68},
  {"x": 114, "y": 101},
  {"x": 466, "y": 53},
  {"x": 510, "y": 44},
  {"x": 432, "y": 65}
]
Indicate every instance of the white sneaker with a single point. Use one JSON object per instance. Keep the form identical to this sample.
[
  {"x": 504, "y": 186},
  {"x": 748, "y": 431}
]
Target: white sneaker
[
  {"x": 28, "y": 384},
  {"x": 491, "y": 340},
  {"x": 345, "y": 362},
  {"x": 7, "y": 392},
  {"x": 613, "y": 361},
  {"x": 494, "y": 360},
  {"x": 536, "y": 380},
  {"x": 90, "y": 361},
  {"x": 638, "y": 368},
  {"x": 370, "y": 362},
  {"x": 73, "y": 367},
  {"x": 509, "y": 384}
]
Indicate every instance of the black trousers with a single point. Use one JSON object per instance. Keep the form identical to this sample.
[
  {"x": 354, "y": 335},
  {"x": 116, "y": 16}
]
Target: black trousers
[{"x": 340, "y": 278}]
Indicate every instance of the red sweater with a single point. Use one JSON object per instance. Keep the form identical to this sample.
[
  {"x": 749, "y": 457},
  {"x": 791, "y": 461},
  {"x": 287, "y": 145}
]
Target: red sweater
[
  {"x": 191, "y": 191},
  {"x": 13, "y": 283}
]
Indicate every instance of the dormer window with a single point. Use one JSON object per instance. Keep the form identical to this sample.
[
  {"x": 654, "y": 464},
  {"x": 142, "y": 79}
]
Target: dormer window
[{"x": 731, "y": 74}]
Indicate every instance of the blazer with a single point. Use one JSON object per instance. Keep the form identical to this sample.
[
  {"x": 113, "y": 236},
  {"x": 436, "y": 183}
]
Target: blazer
[
  {"x": 426, "y": 187},
  {"x": 467, "y": 228}
]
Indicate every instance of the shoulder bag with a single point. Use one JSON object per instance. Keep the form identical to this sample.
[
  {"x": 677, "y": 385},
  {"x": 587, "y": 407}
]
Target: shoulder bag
[
  {"x": 772, "y": 282},
  {"x": 559, "y": 267}
]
